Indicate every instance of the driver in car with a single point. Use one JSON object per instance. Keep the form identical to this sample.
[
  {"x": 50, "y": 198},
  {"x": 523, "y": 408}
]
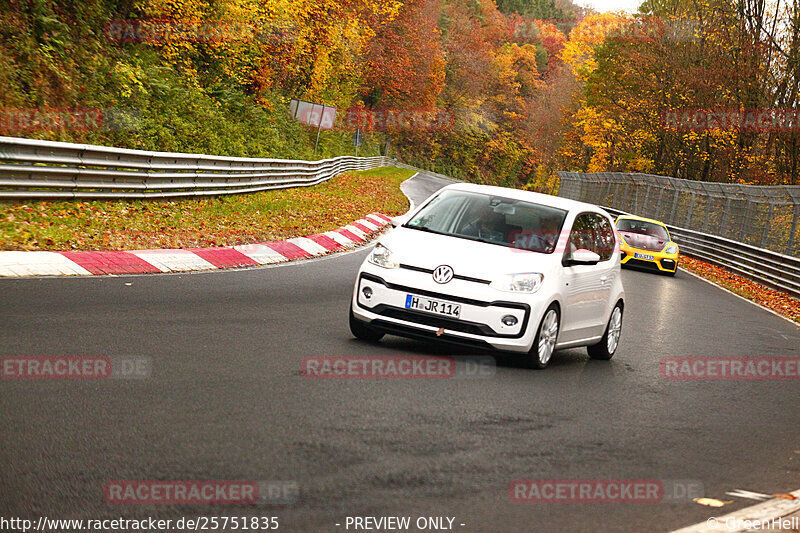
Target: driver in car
[{"x": 489, "y": 226}]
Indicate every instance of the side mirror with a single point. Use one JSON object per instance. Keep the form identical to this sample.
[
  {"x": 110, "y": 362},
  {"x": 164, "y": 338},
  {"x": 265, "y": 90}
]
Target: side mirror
[
  {"x": 399, "y": 220},
  {"x": 583, "y": 257}
]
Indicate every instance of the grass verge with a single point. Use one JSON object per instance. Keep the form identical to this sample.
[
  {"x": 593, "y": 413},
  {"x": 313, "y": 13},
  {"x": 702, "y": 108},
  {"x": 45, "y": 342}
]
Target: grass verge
[
  {"x": 777, "y": 301},
  {"x": 218, "y": 221}
]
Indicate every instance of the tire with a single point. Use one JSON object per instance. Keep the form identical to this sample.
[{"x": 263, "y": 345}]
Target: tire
[
  {"x": 362, "y": 331},
  {"x": 548, "y": 329},
  {"x": 607, "y": 347}
]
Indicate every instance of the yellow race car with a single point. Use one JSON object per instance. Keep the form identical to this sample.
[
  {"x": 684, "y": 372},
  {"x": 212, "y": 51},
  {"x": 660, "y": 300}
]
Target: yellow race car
[{"x": 646, "y": 243}]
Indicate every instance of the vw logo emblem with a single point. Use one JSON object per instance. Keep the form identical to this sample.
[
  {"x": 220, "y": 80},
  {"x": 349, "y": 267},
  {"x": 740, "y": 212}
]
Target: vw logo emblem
[{"x": 442, "y": 274}]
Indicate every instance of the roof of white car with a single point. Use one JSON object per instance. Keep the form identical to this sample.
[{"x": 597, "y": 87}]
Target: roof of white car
[{"x": 528, "y": 196}]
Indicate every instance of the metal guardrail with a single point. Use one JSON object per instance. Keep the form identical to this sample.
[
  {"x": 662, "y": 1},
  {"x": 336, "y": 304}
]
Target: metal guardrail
[
  {"x": 398, "y": 164},
  {"x": 743, "y": 215},
  {"x": 762, "y": 216},
  {"x": 781, "y": 272},
  {"x": 46, "y": 169}
]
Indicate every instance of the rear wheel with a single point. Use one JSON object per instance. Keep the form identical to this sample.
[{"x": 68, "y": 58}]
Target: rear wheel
[
  {"x": 545, "y": 342},
  {"x": 607, "y": 346},
  {"x": 362, "y": 331}
]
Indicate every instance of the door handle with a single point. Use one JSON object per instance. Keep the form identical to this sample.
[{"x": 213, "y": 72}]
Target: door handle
[{"x": 603, "y": 279}]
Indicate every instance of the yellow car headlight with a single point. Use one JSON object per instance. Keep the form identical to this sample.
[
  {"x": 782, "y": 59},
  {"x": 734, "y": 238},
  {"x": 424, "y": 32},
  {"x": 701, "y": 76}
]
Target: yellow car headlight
[{"x": 672, "y": 248}]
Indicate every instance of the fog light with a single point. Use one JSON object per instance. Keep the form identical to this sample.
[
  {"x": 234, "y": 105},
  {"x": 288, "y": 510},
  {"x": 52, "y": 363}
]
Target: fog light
[
  {"x": 509, "y": 320},
  {"x": 367, "y": 292}
]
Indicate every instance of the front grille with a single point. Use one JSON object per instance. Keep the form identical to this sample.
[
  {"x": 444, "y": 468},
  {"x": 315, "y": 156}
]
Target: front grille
[
  {"x": 406, "y": 331},
  {"x": 455, "y": 276},
  {"x": 650, "y": 265},
  {"x": 435, "y": 321}
]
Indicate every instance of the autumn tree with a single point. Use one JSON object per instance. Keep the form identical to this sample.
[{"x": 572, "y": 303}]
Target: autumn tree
[{"x": 405, "y": 62}]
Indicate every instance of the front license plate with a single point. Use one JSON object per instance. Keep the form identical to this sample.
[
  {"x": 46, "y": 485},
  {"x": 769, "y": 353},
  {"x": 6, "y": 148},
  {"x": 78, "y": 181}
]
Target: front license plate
[
  {"x": 436, "y": 307},
  {"x": 646, "y": 257}
]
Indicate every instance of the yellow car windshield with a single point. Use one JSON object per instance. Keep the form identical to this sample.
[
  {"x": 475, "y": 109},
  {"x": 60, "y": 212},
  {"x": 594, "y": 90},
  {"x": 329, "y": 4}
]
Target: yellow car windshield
[{"x": 643, "y": 228}]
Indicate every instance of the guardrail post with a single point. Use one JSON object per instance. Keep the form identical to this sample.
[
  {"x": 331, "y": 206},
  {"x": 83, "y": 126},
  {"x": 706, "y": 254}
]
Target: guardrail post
[
  {"x": 658, "y": 202},
  {"x": 588, "y": 190},
  {"x": 647, "y": 200},
  {"x": 747, "y": 211},
  {"x": 689, "y": 212},
  {"x": 598, "y": 189},
  {"x": 708, "y": 212},
  {"x": 604, "y": 195},
  {"x": 790, "y": 245},
  {"x": 673, "y": 213},
  {"x": 725, "y": 213},
  {"x": 767, "y": 224}
]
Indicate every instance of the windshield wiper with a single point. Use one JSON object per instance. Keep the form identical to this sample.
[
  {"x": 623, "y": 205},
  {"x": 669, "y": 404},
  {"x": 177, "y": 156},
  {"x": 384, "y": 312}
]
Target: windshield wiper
[{"x": 426, "y": 229}]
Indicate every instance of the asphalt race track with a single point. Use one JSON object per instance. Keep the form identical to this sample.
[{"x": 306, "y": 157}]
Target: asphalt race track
[{"x": 226, "y": 400}]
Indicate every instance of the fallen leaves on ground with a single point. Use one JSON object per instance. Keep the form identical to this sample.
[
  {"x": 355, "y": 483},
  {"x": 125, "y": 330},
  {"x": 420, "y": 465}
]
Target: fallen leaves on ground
[
  {"x": 778, "y": 301},
  {"x": 206, "y": 222},
  {"x": 711, "y": 502}
]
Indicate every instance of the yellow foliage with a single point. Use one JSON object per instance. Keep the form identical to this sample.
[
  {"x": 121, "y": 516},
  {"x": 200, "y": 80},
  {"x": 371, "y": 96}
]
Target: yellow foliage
[
  {"x": 590, "y": 32},
  {"x": 316, "y": 42}
]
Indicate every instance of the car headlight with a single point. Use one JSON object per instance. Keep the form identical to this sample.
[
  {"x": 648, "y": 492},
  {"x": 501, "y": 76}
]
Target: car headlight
[
  {"x": 671, "y": 249},
  {"x": 527, "y": 282},
  {"x": 383, "y": 257}
]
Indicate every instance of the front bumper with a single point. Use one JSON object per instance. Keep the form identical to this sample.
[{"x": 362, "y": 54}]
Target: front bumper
[
  {"x": 482, "y": 309},
  {"x": 661, "y": 261}
]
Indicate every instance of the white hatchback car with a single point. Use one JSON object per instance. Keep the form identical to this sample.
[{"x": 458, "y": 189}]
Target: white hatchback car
[{"x": 497, "y": 268}]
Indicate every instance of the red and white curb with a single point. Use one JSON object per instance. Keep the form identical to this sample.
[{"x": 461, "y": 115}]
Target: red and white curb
[{"x": 19, "y": 264}]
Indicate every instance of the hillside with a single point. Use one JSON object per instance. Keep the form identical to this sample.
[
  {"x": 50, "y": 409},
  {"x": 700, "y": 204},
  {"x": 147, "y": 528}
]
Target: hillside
[{"x": 501, "y": 95}]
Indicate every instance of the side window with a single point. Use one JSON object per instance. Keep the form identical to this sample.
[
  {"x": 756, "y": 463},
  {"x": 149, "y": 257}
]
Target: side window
[
  {"x": 592, "y": 232},
  {"x": 607, "y": 240},
  {"x": 583, "y": 234}
]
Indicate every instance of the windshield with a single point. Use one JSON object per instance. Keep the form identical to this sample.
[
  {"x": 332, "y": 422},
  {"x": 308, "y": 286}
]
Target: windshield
[
  {"x": 491, "y": 219},
  {"x": 643, "y": 228}
]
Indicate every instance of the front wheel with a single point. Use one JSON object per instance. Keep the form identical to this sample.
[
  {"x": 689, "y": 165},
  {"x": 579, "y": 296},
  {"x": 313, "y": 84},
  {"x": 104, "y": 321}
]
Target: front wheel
[
  {"x": 362, "y": 331},
  {"x": 545, "y": 342},
  {"x": 607, "y": 346}
]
